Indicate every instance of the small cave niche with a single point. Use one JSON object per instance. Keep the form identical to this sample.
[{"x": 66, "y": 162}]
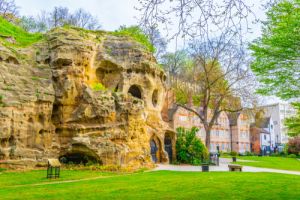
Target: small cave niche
[
  {"x": 42, "y": 132},
  {"x": 47, "y": 61},
  {"x": 41, "y": 119},
  {"x": 55, "y": 113},
  {"x": 12, "y": 60},
  {"x": 58, "y": 130},
  {"x": 155, "y": 97},
  {"x": 63, "y": 62},
  {"x": 108, "y": 74},
  {"x": 3, "y": 142},
  {"x": 12, "y": 141},
  {"x": 116, "y": 88},
  {"x": 135, "y": 91}
]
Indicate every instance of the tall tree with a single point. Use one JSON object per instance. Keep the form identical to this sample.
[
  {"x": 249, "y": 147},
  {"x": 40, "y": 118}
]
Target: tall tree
[
  {"x": 174, "y": 63},
  {"x": 83, "y": 19},
  {"x": 157, "y": 41},
  {"x": 61, "y": 16},
  {"x": 222, "y": 79},
  {"x": 277, "y": 52}
]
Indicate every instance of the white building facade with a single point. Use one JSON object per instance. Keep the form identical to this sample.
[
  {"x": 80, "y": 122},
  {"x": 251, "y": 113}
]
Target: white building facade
[{"x": 279, "y": 112}]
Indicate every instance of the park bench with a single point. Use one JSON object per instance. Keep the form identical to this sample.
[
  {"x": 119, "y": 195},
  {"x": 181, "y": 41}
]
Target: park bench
[{"x": 233, "y": 168}]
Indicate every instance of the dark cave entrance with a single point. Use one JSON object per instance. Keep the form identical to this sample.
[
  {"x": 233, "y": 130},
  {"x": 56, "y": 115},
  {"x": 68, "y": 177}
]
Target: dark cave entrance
[
  {"x": 80, "y": 154},
  {"x": 78, "y": 158},
  {"x": 135, "y": 91}
]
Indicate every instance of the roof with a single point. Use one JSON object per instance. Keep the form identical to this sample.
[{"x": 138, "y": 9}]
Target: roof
[
  {"x": 261, "y": 130},
  {"x": 54, "y": 162},
  {"x": 263, "y": 122}
]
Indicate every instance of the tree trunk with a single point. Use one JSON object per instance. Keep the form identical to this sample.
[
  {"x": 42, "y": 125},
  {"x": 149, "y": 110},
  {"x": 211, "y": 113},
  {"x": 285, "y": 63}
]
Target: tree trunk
[{"x": 207, "y": 139}]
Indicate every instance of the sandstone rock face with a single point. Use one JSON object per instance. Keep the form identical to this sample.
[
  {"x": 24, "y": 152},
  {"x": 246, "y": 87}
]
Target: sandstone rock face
[{"x": 50, "y": 106}]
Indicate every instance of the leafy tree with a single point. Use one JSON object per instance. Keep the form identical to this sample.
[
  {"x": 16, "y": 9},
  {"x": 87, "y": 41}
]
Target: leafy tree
[
  {"x": 189, "y": 148},
  {"x": 277, "y": 51},
  {"x": 294, "y": 145},
  {"x": 175, "y": 63},
  {"x": 293, "y": 123}
]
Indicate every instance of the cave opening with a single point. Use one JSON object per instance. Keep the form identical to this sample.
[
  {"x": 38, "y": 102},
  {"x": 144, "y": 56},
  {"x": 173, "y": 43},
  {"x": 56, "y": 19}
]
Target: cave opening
[
  {"x": 155, "y": 97},
  {"x": 135, "y": 91},
  {"x": 79, "y": 158}
]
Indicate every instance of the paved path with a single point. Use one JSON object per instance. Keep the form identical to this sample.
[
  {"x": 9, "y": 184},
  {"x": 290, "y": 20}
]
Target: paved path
[{"x": 222, "y": 167}]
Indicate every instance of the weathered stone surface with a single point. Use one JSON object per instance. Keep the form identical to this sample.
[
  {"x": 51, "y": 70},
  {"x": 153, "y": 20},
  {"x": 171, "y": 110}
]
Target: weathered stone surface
[{"x": 49, "y": 108}]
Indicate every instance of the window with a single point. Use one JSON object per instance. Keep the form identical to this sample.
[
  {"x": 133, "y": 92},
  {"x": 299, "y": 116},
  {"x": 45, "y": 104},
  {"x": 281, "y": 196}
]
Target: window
[
  {"x": 265, "y": 137},
  {"x": 182, "y": 118}
]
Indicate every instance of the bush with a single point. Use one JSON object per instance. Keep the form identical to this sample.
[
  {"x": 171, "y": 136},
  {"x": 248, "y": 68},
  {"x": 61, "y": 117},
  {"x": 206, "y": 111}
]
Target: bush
[
  {"x": 293, "y": 146},
  {"x": 248, "y": 153},
  {"x": 233, "y": 153},
  {"x": 189, "y": 148},
  {"x": 98, "y": 87},
  {"x": 292, "y": 156}
]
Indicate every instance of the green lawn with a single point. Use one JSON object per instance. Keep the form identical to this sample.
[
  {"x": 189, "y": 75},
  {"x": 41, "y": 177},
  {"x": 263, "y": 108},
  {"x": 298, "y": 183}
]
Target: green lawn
[
  {"x": 156, "y": 185},
  {"x": 39, "y": 176},
  {"x": 292, "y": 164}
]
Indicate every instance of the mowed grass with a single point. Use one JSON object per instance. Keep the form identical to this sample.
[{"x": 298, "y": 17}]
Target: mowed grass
[
  {"x": 163, "y": 185},
  {"x": 291, "y": 164},
  {"x": 8, "y": 179},
  {"x": 21, "y": 37}
]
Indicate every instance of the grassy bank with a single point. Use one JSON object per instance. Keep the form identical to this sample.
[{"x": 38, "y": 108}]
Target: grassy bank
[
  {"x": 158, "y": 185},
  {"x": 291, "y": 164}
]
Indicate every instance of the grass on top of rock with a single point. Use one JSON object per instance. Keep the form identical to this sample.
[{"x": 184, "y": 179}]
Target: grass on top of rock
[
  {"x": 292, "y": 164},
  {"x": 137, "y": 34},
  {"x": 151, "y": 185},
  {"x": 12, "y": 35}
]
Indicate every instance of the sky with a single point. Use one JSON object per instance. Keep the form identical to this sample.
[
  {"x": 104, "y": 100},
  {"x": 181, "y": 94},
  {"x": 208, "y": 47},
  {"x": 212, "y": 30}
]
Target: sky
[
  {"x": 114, "y": 13},
  {"x": 111, "y": 13}
]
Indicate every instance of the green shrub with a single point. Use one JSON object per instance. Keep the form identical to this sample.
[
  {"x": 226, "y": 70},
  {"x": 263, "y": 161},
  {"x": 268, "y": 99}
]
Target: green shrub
[
  {"x": 2, "y": 169},
  {"x": 292, "y": 156},
  {"x": 248, "y": 153},
  {"x": 137, "y": 34},
  {"x": 98, "y": 87},
  {"x": 233, "y": 153},
  {"x": 189, "y": 148}
]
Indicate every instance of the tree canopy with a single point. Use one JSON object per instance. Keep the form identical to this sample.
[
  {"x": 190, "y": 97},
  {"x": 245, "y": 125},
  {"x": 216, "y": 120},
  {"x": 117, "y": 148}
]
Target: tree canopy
[
  {"x": 293, "y": 123},
  {"x": 277, "y": 52}
]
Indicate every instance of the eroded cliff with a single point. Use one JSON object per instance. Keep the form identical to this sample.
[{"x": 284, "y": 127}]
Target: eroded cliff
[{"x": 79, "y": 95}]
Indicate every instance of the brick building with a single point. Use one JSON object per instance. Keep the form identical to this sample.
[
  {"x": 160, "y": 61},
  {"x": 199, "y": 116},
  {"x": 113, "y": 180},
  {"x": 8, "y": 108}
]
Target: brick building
[{"x": 230, "y": 132}]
